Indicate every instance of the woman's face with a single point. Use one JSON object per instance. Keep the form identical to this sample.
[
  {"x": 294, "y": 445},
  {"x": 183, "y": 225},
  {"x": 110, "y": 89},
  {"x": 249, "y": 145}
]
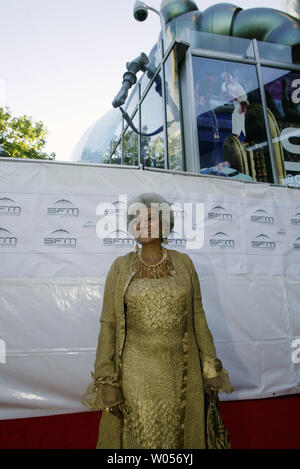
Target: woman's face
[{"x": 149, "y": 227}]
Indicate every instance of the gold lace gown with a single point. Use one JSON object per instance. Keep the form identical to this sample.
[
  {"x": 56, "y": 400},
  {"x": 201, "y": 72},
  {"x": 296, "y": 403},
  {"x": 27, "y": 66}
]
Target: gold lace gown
[{"x": 153, "y": 363}]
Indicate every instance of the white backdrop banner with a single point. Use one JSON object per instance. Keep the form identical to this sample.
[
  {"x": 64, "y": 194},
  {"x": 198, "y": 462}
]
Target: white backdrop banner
[{"x": 54, "y": 265}]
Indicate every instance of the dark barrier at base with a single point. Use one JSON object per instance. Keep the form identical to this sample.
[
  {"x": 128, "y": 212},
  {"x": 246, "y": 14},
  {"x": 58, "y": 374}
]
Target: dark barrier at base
[{"x": 252, "y": 424}]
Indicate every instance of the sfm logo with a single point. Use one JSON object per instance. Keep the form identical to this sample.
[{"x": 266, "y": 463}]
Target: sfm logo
[
  {"x": 60, "y": 239},
  {"x": 7, "y": 239},
  {"x": 219, "y": 213},
  {"x": 221, "y": 240},
  {"x": 113, "y": 213},
  {"x": 89, "y": 225},
  {"x": 2, "y": 351},
  {"x": 63, "y": 208},
  {"x": 9, "y": 207},
  {"x": 296, "y": 244},
  {"x": 261, "y": 216},
  {"x": 263, "y": 241},
  {"x": 296, "y": 219}
]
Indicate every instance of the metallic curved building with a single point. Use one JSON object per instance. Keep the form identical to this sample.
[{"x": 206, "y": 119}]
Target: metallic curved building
[{"x": 219, "y": 96}]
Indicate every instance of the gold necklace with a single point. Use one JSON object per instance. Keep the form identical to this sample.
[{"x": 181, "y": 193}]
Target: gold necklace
[{"x": 155, "y": 270}]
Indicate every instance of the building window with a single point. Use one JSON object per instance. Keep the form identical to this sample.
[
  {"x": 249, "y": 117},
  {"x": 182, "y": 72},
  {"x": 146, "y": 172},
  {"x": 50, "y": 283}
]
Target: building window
[
  {"x": 230, "y": 121},
  {"x": 130, "y": 140},
  {"x": 152, "y": 146},
  {"x": 173, "y": 114},
  {"x": 282, "y": 89}
]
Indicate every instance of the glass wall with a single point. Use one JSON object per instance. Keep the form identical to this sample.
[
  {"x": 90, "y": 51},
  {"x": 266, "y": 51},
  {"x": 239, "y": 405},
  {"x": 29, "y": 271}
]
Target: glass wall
[
  {"x": 173, "y": 111},
  {"x": 218, "y": 42},
  {"x": 154, "y": 62},
  {"x": 282, "y": 90},
  {"x": 130, "y": 144},
  {"x": 232, "y": 135},
  {"x": 132, "y": 101},
  {"x": 275, "y": 52},
  {"x": 225, "y": 102},
  {"x": 152, "y": 118},
  {"x": 100, "y": 139}
]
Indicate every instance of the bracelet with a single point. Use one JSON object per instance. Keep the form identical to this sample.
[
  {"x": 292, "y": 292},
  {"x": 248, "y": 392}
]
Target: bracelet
[
  {"x": 113, "y": 405},
  {"x": 113, "y": 381}
]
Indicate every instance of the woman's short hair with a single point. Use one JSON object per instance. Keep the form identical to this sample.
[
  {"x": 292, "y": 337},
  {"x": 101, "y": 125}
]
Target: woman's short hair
[{"x": 147, "y": 198}]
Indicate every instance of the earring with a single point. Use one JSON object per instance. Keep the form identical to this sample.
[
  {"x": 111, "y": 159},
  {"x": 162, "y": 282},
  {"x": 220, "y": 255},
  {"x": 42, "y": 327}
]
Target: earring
[
  {"x": 165, "y": 241},
  {"x": 136, "y": 247}
]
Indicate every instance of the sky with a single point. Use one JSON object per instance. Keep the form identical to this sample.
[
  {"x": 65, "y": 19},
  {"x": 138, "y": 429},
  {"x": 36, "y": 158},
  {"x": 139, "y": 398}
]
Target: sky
[{"x": 62, "y": 61}]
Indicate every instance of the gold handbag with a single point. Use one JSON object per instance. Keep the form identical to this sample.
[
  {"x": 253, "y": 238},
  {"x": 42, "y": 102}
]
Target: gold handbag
[{"x": 216, "y": 433}]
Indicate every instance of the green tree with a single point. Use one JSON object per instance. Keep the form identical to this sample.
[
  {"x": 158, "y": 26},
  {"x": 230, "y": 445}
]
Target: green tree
[{"x": 20, "y": 137}]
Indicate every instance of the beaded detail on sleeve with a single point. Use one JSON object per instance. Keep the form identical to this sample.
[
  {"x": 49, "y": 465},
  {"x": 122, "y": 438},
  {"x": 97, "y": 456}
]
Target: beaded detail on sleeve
[
  {"x": 112, "y": 380},
  {"x": 98, "y": 398}
]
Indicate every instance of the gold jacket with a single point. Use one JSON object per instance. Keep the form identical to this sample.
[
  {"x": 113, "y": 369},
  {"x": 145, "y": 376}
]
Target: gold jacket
[{"x": 200, "y": 353}]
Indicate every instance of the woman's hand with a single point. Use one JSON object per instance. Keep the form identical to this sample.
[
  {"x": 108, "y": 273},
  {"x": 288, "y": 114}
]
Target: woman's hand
[
  {"x": 112, "y": 396},
  {"x": 218, "y": 383},
  {"x": 215, "y": 383}
]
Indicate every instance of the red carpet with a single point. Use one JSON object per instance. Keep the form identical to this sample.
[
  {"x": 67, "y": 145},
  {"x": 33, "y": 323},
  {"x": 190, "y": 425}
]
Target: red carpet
[{"x": 255, "y": 424}]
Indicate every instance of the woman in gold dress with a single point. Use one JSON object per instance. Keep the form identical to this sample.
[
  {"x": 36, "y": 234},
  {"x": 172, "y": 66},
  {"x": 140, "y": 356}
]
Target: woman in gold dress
[{"x": 155, "y": 356}]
